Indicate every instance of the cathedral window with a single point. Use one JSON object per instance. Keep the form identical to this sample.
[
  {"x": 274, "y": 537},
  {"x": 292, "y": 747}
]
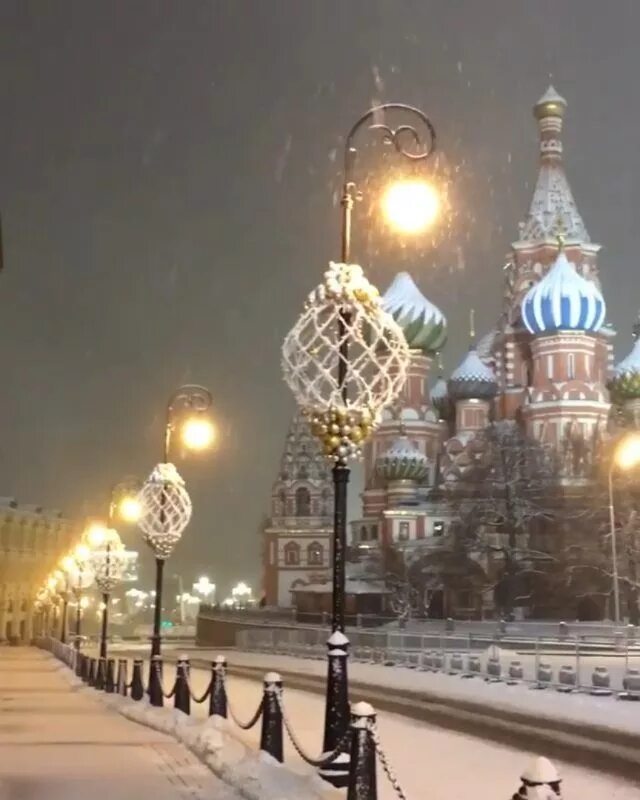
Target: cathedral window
[
  {"x": 291, "y": 554},
  {"x": 374, "y": 533},
  {"x": 315, "y": 554},
  {"x": 571, "y": 366},
  {"x": 364, "y": 534},
  {"x": 303, "y": 502},
  {"x": 282, "y": 498},
  {"x": 403, "y": 532},
  {"x": 303, "y": 473},
  {"x": 550, "y": 367}
]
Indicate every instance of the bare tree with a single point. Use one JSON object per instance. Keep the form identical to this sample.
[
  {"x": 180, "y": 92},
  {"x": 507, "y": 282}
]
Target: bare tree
[{"x": 509, "y": 504}]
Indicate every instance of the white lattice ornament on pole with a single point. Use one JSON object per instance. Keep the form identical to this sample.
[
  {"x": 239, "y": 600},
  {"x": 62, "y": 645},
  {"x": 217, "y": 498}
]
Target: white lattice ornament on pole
[
  {"x": 344, "y": 328},
  {"x": 109, "y": 566},
  {"x": 166, "y": 509}
]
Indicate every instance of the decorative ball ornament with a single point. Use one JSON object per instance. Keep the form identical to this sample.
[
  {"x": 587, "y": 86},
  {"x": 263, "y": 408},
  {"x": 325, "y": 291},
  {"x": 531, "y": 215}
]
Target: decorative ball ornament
[
  {"x": 109, "y": 563},
  {"x": 343, "y": 323},
  {"x": 166, "y": 509}
]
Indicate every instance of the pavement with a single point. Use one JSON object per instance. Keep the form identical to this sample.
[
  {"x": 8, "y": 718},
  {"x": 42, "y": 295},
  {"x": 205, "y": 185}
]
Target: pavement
[{"x": 60, "y": 744}]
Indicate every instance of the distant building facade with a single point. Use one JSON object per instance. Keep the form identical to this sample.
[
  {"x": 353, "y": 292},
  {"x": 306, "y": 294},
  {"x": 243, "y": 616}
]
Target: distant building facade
[
  {"x": 32, "y": 540},
  {"x": 297, "y": 535}
]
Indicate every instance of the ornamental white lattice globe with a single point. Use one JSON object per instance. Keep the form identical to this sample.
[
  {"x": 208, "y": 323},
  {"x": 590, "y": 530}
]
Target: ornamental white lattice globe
[
  {"x": 344, "y": 327},
  {"x": 110, "y": 566},
  {"x": 80, "y": 577},
  {"x": 166, "y": 509}
]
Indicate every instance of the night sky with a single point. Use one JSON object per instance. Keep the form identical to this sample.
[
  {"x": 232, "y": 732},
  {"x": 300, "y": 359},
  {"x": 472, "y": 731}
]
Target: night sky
[{"x": 168, "y": 178}]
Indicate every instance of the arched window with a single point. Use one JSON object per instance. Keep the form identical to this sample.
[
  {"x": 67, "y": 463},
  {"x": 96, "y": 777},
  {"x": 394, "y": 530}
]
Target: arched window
[
  {"x": 303, "y": 473},
  {"x": 291, "y": 554},
  {"x": 282, "y": 498},
  {"x": 303, "y": 502},
  {"x": 315, "y": 554},
  {"x": 364, "y": 534}
]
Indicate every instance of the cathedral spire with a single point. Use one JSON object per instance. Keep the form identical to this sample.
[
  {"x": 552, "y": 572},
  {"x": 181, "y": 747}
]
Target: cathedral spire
[{"x": 553, "y": 208}]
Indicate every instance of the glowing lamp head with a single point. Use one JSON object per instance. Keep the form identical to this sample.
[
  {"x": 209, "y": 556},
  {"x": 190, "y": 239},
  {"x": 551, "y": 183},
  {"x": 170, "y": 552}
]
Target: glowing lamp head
[
  {"x": 81, "y": 553},
  {"x": 410, "y": 206},
  {"x": 627, "y": 455},
  {"x": 97, "y": 535},
  {"x": 67, "y": 563},
  {"x": 130, "y": 509},
  {"x": 197, "y": 433}
]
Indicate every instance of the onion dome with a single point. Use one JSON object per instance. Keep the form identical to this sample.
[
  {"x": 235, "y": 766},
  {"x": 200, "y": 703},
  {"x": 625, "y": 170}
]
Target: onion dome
[
  {"x": 439, "y": 397},
  {"x": 563, "y": 300},
  {"x": 625, "y": 384},
  {"x": 402, "y": 461},
  {"x": 424, "y": 325},
  {"x": 473, "y": 379}
]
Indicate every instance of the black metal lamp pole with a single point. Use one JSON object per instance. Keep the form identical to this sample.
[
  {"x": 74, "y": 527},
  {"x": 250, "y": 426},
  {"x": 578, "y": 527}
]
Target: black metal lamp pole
[
  {"x": 78, "y": 593},
  {"x": 197, "y": 399},
  {"x": 63, "y": 627},
  {"x": 337, "y": 714}
]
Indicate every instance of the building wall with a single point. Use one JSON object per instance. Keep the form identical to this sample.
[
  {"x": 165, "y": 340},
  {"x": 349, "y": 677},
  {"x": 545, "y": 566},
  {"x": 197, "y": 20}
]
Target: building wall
[{"x": 32, "y": 540}]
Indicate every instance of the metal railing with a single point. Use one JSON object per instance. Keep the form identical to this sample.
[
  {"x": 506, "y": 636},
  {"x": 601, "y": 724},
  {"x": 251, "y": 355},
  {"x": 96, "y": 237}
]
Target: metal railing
[{"x": 598, "y": 665}]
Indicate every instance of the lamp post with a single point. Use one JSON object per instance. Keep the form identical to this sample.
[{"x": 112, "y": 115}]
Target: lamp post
[
  {"x": 166, "y": 506},
  {"x": 372, "y": 358},
  {"x": 109, "y": 559},
  {"x": 626, "y": 455}
]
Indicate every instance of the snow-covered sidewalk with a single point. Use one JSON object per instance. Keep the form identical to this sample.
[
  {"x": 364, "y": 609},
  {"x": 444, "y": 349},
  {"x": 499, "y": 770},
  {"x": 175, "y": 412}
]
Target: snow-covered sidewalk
[{"x": 57, "y": 744}]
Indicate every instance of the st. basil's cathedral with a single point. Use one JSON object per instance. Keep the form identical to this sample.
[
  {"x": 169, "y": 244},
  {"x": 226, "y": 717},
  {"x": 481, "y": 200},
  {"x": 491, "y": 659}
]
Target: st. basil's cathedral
[{"x": 538, "y": 388}]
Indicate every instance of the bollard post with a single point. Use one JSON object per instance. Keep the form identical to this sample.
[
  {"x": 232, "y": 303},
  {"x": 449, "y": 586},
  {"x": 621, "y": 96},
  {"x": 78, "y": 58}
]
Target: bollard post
[
  {"x": 101, "y": 674},
  {"x": 540, "y": 774},
  {"x": 121, "y": 680},
  {"x": 181, "y": 694},
  {"x": 362, "y": 772},
  {"x": 86, "y": 669},
  {"x": 218, "y": 694},
  {"x": 109, "y": 681},
  {"x": 92, "y": 672},
  {"x": 156, "y": 695},
  {"x": 79, "y": 663},
  {"x": 137, "y": 686},
  {"x": 271, "y": 733}
]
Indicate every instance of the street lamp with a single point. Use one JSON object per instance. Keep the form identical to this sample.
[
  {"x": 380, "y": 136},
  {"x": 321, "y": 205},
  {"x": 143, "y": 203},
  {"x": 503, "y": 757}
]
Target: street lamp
[
  {"x": 109, "y": 561},
  {"x": 62, "y": 589},
  {"x": 344, "y": 322},
  {"x": 205, "y": 590},
  {"x": 626, "y": 455},
  {"x": 77, "y": 568},
  {"x": 165, "y": 502}
]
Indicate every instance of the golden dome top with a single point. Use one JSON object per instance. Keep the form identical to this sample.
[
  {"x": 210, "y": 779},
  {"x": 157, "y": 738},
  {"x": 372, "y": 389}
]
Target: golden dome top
[{"x": 551, "y": 104}]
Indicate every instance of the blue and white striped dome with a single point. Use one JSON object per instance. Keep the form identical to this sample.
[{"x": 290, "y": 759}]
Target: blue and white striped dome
[{"x": 563, "y": 300}]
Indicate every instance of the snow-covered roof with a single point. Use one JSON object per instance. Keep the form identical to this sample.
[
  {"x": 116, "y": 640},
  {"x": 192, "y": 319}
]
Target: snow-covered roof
[
  {"x": 423, "y": 324},
  {"x": 485, "y": 345},
  {"x": 563, "y": 300},
  {"x": 553, "y": 209},
  {"x": 472, "y": 368},
  {"x": 402, "y": 461},
  {"x": 439, "y": 391},
  {"x": 551, "y": 96},
  {"x": 630, "y": 363},
  {"x": 472, "y": 378}
]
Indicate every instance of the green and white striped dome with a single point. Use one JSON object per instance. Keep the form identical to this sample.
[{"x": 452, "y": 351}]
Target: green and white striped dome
[
  {"x": 402, "y": 461},
  {"x": 423, "y": 324}
]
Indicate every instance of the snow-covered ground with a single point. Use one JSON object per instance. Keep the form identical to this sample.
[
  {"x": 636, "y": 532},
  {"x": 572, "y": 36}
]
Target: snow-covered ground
[
  {"x": 56, "y": 744},
  {"x": 579, "y": 708},
  {"x": 428, "y": 761}
]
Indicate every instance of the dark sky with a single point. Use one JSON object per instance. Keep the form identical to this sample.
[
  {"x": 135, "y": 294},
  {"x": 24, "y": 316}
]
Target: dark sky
[{"x": 167, "y": 183}]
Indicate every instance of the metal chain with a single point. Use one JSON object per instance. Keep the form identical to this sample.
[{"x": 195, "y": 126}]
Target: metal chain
[
  {"x": 193, "y": 697},
  {"x": 314, "y": 762},
  {"x": 245, "y": 726},
  {"x": 166, "y": 695},
  {"x": 384, "y": 761}
]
